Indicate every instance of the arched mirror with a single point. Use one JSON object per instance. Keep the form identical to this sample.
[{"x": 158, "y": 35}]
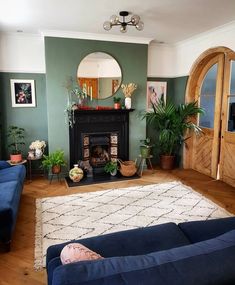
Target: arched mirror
[{"x": 99, "y": 75}]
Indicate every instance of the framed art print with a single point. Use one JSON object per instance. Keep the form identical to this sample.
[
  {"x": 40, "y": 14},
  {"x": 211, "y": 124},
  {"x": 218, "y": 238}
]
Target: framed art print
[
  {"x": 155, "y": 90},
  {"x": 23, "y": 93}
]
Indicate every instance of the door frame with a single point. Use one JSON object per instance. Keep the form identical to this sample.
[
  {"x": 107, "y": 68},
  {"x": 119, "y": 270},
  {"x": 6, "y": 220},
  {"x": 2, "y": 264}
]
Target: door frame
[{"x": 192, "y": 91}]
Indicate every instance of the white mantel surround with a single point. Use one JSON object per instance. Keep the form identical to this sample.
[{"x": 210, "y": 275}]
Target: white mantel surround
[{"x": 21, "y": 52}]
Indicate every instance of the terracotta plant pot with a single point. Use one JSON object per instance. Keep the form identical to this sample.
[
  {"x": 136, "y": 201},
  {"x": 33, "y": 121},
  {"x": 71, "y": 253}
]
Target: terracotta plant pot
[
  {"x": 16, "y": 158},
  {"x": 167, "y": 162},
  {"x": 117, "y": 106},
  {"x": 56, "y": 169}
]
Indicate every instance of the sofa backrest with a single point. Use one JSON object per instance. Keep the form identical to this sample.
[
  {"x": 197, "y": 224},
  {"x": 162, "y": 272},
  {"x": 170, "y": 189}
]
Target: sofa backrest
[{"x": 207, "y": 262}]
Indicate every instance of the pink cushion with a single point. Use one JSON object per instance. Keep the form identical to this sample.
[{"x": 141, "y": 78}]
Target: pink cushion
[{"x": 74, "y": 252}]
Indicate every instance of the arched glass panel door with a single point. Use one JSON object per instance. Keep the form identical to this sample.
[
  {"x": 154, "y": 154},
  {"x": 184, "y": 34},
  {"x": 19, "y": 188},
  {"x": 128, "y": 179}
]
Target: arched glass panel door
[
  {"x": 227, "y": 159},
  {"x": 209, "y": 96}
]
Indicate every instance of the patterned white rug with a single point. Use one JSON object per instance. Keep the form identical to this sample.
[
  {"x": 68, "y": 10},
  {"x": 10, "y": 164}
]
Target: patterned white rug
[{"x": 64, "y": 218}]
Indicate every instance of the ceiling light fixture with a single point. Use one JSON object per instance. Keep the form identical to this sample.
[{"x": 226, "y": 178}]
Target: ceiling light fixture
[{"x": 115, "y": 21}]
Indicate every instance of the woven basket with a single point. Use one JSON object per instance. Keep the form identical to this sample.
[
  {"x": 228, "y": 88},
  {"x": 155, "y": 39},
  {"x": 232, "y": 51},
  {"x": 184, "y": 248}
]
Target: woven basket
[{"x": 127, "y": 168}]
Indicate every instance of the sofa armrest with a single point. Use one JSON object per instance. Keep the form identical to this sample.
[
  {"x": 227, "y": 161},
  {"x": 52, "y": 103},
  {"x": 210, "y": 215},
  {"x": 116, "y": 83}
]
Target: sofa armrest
[
  {"x": 4, "y": 164},
  {"x": 197, "y": 231},
  {"x": 207, "y": 262}
]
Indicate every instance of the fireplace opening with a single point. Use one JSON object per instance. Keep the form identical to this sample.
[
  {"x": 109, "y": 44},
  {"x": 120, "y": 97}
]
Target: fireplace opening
[
  {"x": 99, "y": 155},
  {"x": 100, "y": 148}
]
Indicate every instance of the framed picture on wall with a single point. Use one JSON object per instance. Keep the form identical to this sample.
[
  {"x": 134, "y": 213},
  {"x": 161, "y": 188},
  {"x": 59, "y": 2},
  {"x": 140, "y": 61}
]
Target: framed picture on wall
[
  {"x": 155, "y": 90},
  {"x": 23, "y": 93}
]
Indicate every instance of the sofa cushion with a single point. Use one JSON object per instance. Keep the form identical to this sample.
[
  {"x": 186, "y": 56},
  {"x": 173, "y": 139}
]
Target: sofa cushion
[
  {"x": 202, "y": 230},
  {"x": 13, "y": 173},
  {"x": 130, "y": 242},
  {"x": 207, "y": 262},
  {"x": 74, "y": 252}
]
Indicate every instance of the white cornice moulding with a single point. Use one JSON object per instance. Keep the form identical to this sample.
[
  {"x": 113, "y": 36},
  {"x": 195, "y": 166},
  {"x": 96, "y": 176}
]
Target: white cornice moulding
[
  {"x": 167, "y": 77},
  {"x": 218, "y": 30},
  {"x": 97, "y": 37},
  {"x": 23, "y": 71}
]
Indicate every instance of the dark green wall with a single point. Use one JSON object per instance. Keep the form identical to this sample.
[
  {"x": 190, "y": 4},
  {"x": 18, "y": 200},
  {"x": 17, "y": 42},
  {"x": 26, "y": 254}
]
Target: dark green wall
[
  {"x": 62, "y": 59},
  {"x": 33, "y": 120}
]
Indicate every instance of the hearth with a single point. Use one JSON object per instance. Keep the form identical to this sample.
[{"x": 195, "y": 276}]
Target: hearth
[{"x": 99, "y": 136}]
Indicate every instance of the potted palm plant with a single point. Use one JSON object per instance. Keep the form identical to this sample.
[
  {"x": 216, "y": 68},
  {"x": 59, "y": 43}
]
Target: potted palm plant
[
  {"x": 16, "y": 140},
  {"x": 172, "y": 123},
  {"x": 54, "y": 161}
]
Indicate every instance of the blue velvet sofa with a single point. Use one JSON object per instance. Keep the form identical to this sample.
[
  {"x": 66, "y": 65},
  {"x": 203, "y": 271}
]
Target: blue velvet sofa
[
  {"x": 11, "y": 186},
  {"x": 199, "y": 252}
]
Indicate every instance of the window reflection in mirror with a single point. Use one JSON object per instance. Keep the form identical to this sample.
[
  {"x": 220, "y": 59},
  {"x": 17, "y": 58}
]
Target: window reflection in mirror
[{"x": 99, "y": 75}]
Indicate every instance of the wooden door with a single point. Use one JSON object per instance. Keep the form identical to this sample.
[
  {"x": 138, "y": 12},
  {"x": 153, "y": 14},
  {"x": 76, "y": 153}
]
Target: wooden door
[
  {"x": 227, "y": 159},
  {"x": 90, "y": 86},
  {"x": 206, "y": 148}
]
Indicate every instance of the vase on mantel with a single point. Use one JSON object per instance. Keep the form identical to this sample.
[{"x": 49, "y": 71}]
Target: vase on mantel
[{"x": 128, "y": 102}]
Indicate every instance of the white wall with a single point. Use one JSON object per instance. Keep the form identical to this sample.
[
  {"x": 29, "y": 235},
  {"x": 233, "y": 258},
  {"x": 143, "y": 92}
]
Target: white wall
[
  {"x": 25, "y": 52},
  {"x": 161, "y": 60},
  {"x": 22, "y": 53},
  {"x": 178, "y": 59}
]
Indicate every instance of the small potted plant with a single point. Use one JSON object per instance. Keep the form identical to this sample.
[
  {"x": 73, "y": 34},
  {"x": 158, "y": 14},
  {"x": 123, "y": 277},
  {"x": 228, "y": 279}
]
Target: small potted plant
[
  {"x": 145, "y": 147},
  {"x": 54, "y": 161},
  {"x": 111, "y": 167},
  {"x": 117, "y": 102},
  {"x": 16, "y": 139}
]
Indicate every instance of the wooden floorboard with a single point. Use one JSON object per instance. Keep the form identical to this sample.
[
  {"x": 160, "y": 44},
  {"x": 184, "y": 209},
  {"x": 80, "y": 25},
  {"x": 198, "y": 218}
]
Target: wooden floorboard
[{"x": 16, "y": 267}]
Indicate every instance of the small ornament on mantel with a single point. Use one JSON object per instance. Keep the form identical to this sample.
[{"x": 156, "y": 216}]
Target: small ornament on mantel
[{"x": 128, "y": 90}]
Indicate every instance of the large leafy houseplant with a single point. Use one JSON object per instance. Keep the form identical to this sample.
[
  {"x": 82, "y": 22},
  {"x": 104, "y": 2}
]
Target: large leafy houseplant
[{"x": 173, "y": 124}]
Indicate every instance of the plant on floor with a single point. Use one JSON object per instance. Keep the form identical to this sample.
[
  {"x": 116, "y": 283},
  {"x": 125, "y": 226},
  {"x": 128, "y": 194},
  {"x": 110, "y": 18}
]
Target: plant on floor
[
  {"x": 54, "y": 161},
  {"x": 172, "y": 123},
  {"x": 111, "y": 167},
  {"x": 16, "y": 141}
]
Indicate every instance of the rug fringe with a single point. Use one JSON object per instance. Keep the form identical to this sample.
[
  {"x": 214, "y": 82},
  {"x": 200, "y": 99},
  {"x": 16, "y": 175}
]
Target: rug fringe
[{"x": 38, "y": 252}]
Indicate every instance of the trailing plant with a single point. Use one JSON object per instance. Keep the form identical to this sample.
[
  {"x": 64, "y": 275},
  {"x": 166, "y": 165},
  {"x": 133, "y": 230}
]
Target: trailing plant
[
  {"x": 16, "y": 139},
  {"x": 54, "y": 158},
  {"x": 172, "y": 123},
  {"x": 76, "y": 97}
]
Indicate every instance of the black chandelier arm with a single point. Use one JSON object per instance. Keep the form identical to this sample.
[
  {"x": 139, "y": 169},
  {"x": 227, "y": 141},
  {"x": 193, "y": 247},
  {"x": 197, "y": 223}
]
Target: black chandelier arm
[{"x": 129, "y": 23}]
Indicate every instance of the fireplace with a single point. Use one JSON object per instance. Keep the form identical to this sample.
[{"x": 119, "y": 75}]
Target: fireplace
[{"x": 99, "y": 136}]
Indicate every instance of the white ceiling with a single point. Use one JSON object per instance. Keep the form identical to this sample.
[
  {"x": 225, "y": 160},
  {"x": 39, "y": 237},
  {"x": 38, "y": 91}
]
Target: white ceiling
[{"x": 169, "y": 21}]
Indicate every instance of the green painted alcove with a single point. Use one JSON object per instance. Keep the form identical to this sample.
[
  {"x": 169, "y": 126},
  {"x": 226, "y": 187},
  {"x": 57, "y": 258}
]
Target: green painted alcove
[{"x": 62, "y": 59}]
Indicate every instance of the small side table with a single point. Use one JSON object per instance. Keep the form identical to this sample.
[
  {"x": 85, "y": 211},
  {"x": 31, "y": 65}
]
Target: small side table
[
  {"x": 30, "y": 159},
  {"x": 143, "y": 162}
]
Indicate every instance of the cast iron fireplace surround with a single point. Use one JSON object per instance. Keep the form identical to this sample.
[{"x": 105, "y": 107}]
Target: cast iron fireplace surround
[{"x": 95, "y": 122}]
